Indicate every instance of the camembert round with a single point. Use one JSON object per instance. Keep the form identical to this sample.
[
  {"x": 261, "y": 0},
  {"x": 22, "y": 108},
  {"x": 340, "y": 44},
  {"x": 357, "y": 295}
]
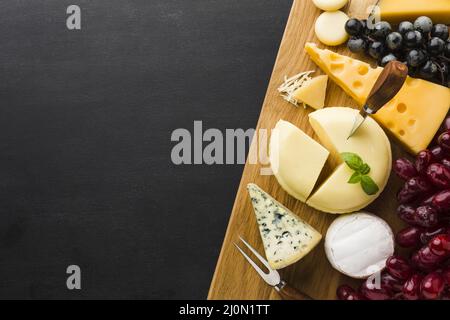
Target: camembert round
[{"x": 359, "y": 244}]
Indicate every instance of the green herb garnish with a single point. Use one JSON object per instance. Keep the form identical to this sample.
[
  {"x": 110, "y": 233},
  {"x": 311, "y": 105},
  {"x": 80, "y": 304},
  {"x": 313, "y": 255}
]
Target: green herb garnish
[{"x": 360, "y": 175}]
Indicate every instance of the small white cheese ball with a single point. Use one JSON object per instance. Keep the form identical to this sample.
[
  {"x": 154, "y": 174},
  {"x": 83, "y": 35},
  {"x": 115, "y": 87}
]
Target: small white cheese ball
[
  {"x": 330, "y": 5},
  {"x": 359, "y": 244},
  {"x": 330, "y": 28}
]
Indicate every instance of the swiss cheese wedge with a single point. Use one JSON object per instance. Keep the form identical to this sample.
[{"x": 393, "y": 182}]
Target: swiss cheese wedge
[{"x": 413, "y": 116}]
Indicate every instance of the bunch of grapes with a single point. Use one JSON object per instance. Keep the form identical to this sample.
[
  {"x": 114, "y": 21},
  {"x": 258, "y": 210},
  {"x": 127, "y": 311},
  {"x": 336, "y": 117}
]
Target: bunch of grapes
[
  {"x": 424, "y": 276},
  {"x": 425, "y": 207},
  {"x": 423, "y": 46}
]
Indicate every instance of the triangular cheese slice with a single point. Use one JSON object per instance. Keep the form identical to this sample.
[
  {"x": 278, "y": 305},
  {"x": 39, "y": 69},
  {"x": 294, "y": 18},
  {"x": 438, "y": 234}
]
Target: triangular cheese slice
[
  {"x": 296, "y": 159},
  {"x": 313, "y": 92},
  {"x": 286, "y": 237},
  {"x": 413, "y": 116}
]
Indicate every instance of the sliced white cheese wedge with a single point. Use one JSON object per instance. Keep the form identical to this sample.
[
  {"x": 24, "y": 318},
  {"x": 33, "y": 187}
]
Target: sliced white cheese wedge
[
  {"x": 286, "y": 237},
  {"x": 313, "y": 92},
  {"x": 330, "y": 5},
  {"x": 332, "y": 126},
  {"x": 330, "y": 28},
  {"x": 296, "y": 159},
  {"x": 359, "y": 244}
]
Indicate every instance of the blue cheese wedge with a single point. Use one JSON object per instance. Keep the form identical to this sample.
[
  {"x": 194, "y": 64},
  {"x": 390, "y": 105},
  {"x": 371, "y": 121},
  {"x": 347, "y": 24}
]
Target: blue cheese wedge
[{"x": 286, "y": 237}]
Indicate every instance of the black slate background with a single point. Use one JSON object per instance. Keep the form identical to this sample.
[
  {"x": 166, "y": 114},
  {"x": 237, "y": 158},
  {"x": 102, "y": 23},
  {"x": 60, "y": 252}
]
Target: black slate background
[{"x": 85, "y": 124}]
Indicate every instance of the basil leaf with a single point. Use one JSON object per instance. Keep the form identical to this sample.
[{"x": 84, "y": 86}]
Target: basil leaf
[
  {"x": 368, "y": 185},
  {"x": 365, "y": 169},
  {"x": 352, "y": 160},
  {"x": 355, "y": 178}
]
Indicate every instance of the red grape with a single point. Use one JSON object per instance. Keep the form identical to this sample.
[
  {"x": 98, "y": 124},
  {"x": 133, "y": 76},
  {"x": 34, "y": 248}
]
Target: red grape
[
  {"x": 430, "y": 233},
  {"x": 406, "y": 213},
  {"x": 445, "y": 125},
  {"x": 418, "y": 185},
  {"x": 345, "y": 292},
  {"x": 414, "y": 189},
  {"x": 432, "y": 286},
  {"x": 371, "y": 292},
  {"x": 404, "y": 169},
  {"x": 446, "y": 163},
  {"x": 438, "y": 175},
  {"x": 398, "y": 267},
  {"x": 391, "y": 282},
  {"x": 423, "y": 160},
  {"x": 409, "y": 237},
  {"x": 411, "y": 288},
  {"x": 404, "y": 196},
  {"x": 426, "y": 216},
  {"x": 440, "y": 245},
  {"x": 444, "y": 140},
  {"x": 438, "y": 153},
  {"x": 441, "y": 200},
  {"x": 425, "y": 260}
]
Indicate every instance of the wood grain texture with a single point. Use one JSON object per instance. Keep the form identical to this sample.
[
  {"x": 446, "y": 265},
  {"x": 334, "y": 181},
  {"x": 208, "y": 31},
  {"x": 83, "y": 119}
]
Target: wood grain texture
[{"x": 234, "y": 278}]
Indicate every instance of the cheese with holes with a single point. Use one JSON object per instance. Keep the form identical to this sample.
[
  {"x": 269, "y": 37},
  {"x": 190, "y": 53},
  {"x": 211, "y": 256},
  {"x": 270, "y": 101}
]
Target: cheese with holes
[
  {"x": 330, "y": 28},
  {"x": 332, "y": 126},
  {"x": 330, "y": 5},
  {"x": 295, "y": 159},
  {"x": 359, "y": 244},
  {"x": 401, "y": 10},
  {"x": 413, "y": 116},
  {"x": 313, "y": 92},
  {"x": 286, "y": 237}
]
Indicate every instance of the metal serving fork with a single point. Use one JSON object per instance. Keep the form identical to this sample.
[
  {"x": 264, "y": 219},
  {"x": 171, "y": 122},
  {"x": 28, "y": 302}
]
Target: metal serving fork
[{"x": 272, "y": 278}]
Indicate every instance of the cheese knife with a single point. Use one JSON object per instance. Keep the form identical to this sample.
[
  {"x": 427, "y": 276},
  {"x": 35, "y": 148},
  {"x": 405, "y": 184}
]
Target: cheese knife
[
  {"x": 386, "y": 87},
  {"x": 272, "y": 278}
]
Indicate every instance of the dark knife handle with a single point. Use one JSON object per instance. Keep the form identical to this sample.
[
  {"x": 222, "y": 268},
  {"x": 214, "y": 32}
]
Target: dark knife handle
[
  {"x": 387, "y": 86},
  {"x": 288, "y": 292}
]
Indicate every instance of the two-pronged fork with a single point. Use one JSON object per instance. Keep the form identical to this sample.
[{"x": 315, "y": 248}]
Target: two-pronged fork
[{"x": 272, "y": 277}]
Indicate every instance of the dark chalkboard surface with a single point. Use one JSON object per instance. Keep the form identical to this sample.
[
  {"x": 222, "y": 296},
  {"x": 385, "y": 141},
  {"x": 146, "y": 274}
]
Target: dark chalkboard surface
[{"x": 85, "y": 122}]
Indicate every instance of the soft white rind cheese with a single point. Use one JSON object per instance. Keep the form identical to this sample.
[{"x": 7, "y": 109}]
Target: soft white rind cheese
[
  {"x": 359, "y": 244},
  {"x": 296, "y": 159},
  {"x": 286, "y": 237},
  {"x": 332, "y": 126}
]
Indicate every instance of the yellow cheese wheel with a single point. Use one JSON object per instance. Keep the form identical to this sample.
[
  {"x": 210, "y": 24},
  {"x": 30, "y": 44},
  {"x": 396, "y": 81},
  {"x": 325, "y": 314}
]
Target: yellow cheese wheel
[{"x": 332, "y": 126}]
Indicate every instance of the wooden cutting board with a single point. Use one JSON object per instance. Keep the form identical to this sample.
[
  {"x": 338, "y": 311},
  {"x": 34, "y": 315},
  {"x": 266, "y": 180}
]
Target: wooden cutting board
[{"x": 234, "y": 278}]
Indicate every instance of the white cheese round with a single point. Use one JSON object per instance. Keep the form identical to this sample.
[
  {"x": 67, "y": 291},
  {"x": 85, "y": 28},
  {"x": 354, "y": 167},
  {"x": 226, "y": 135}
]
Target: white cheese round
[
  {"x": 330, "y": 5},
  {"x": 359, "y": 244},
  {"x": 330, "y": 28}
]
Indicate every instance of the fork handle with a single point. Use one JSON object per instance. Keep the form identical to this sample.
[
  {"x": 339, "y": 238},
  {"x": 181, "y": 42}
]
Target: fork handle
[{"x": 287, "y": 292}]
